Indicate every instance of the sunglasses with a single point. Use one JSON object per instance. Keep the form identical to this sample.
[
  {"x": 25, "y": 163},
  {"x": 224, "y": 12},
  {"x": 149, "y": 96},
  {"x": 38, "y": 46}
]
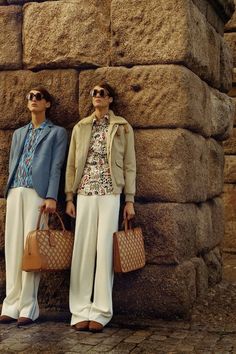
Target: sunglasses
[
  {"x": 38, "y": 96},
  {"x": 102, "y": 93}
]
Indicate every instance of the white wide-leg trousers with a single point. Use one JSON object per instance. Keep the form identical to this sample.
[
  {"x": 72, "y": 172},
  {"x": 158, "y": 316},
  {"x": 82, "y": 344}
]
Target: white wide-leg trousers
[
  {"x": 21, "y": 287},
  {"x": 92, "y": 269}
]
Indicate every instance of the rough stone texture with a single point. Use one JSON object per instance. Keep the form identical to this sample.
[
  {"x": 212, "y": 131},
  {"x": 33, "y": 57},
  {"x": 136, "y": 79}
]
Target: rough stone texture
[
  {"x": 230, "y": 144},
  {"x": 168, "y": 32},
  {"x": 213, "y": 262},
  {"x": 226, "y": 67},
  {"x": 182, "y": 166},
  {"x": 2, "y": 279},
  {"x": 145, "y": 97},
  {"x": 201, "y": 276},
  {"x": 209, "y": 225},
  {"x": 68, "y": 34},
  {"x": 230, "y": 169},
  {"x": 230, "y": 39},
  {"x": 229, "y": 196},
  {"x": 10, "y": 40},
  {"x": 231, "y": 24},
  {"x": 5, "y": 143},
  {"x": 176, "y": 232},
  {"x": 213, "y": 18},
  {"x": 169, "y": 291},
  {"x": 63, "y": 84},
  {"x": 2, "y": 224}
]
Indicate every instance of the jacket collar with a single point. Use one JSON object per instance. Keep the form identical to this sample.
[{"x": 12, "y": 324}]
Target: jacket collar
[{"x": 113, "y": 119}]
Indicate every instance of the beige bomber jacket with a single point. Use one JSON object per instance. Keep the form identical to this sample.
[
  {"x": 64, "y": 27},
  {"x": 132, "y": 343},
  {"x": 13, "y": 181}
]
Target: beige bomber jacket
[{"x": 120, "y": 152}]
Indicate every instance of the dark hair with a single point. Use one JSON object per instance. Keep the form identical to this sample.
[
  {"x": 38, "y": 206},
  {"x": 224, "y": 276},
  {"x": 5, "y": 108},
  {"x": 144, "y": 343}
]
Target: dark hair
[
  {"x": 46, "y": 95},
  {"x": 109, "y": 89}
]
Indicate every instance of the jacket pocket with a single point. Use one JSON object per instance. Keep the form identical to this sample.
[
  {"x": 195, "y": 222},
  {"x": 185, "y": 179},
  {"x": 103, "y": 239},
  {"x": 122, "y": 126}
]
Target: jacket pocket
[{"x": 119, "y": 173}]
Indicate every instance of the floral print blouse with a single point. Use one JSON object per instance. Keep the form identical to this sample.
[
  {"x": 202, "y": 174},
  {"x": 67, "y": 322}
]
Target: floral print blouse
[{"x": 96, "y": 179}]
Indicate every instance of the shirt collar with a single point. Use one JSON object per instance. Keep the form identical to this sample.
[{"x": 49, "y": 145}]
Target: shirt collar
[
  {"x": 105, "y": 117},
  {"x": 42, "y": 125}
]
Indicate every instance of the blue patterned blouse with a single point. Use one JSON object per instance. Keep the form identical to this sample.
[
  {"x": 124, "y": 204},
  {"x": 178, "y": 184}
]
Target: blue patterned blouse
[{"x": 23, "y": 174}]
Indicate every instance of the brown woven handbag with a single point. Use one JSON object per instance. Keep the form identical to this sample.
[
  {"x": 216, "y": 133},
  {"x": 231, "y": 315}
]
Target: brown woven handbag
[
  {"x": 128, "y": 249},
  {"x": 48, "y": 250}
]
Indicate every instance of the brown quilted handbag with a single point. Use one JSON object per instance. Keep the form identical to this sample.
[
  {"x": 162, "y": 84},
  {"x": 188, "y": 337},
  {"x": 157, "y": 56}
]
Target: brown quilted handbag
[
  {"x": 48, "y": 250},
  {"x": 128, "y": 249}
]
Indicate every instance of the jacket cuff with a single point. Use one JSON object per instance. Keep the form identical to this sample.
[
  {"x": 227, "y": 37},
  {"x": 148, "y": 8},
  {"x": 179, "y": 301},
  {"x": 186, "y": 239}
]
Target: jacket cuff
[
  {"x": 69, "y": 196},
  {"x": 129, "y": 198}
]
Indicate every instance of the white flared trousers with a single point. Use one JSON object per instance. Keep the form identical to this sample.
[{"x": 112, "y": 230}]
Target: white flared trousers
[
  {"x": 92, "y": 262},
  {"x": 21, "y": 287}
]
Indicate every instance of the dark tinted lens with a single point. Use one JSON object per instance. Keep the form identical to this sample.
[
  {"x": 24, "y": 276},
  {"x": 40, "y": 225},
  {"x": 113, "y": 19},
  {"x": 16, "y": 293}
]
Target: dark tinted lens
[
  {"x": 37, "y": 95},
  {"x": 102, "y": 93}
]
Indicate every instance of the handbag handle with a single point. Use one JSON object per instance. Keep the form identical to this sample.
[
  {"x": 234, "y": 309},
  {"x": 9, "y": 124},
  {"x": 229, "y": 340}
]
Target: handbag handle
[
  {"x": 127, "y": 224},
  {"x": 39, "y": 219}
]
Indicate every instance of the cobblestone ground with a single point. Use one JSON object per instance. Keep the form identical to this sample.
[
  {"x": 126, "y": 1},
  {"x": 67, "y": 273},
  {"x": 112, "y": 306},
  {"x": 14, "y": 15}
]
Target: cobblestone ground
[{"x": 211, "y": 329}]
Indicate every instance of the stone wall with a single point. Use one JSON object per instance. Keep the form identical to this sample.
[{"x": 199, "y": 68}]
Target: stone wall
[
  {"x": 229, "y": 242},
  {"x": 172, "y": 69}
]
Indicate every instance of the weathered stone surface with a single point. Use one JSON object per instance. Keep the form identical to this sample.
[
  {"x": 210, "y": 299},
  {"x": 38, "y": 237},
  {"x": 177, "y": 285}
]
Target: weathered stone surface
[
  {"x": 213, "y": 17},
  {"x": 2, "y": 223},
  {"x": 145, "y": 97},
  {"x": 2, "y": 279},
  {"x": 169, "y": 230},
  {"x": 230, "y": 169},
  {"x": 54, "y": 290},
  {"x": 182, "y": 166},
  {"x": 213, "y": 262},
  {"x": 201, "y": 276},
  {"x": 226, "y": 67},
  {"x": 230, "y": 39},
  {"x": 230, "y": 144},
  {"x": 169, "y": 291},
  {"x": 176, "y": 232},
  {"x": 5, "y": 143},
  {"x": 10, "y": 40},
  {"x": 167, "y": 32},
  {"x": 209, "y": 225},
  {"x": 230, "y": 26},
  {"x": 14, "y": 85},
  {"x": 68, "y": 34},
  {"x": 229, "y": 196}
]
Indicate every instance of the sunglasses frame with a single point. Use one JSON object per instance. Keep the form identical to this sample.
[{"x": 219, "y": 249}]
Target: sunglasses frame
[
  {"x": 38, "y": 96},
  {"x": 94, "y": 93}
]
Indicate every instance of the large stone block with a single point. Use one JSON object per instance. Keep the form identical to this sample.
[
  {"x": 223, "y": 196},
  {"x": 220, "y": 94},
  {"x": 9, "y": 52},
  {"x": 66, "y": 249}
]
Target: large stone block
[
  {"x": 68, "y": 34},
  {"x": 2, "y": 223},
  {"x": 169, "y": 230},
  {"x": 230, "y": 26},
  {"x": 175, "y": 232},
  {"x": 230, "y": 144},
  {"x": 5, "y": 143},
  {"x": 165, "y": 32},
  {"x": 230, "y": 169},
  {"x": 226, "y": 66},
  {"x": 201, "y": 276},
  {"x": 180, "y": 166},
  {"x": 10, "y": 39},
  {"x": 229, "y": 196},
  {"x": 169, "y": 291},
  {"x": 213, "y": 261},
  {"x": 230, "y": 38},
  {"x": 14, "y": 85},
  {"x": 209, "y": 225},
  {"x": 163, "y": 96}
]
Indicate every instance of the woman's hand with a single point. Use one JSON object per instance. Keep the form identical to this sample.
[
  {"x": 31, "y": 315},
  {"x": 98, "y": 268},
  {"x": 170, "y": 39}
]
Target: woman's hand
[
  {"x": 129, "y": 212},
  {"x": 48, "y": 206},
  {"x": 70, "y": 209}
]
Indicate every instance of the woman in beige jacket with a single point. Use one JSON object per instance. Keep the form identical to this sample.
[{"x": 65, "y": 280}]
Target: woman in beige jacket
[{"x": 101, "y": 164}]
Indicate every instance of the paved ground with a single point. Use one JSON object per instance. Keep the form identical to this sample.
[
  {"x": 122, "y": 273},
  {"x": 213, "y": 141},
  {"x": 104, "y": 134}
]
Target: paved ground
[{"x": 212, "y": 329}]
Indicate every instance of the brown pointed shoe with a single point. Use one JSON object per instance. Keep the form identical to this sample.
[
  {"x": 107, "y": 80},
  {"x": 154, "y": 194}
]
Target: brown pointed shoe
[
  {"x": 24, "y": 321},
  {"x": 6, "y": 319},
  {"x": 95, "y": 327},
  {"x": 82, "y": 326}
]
